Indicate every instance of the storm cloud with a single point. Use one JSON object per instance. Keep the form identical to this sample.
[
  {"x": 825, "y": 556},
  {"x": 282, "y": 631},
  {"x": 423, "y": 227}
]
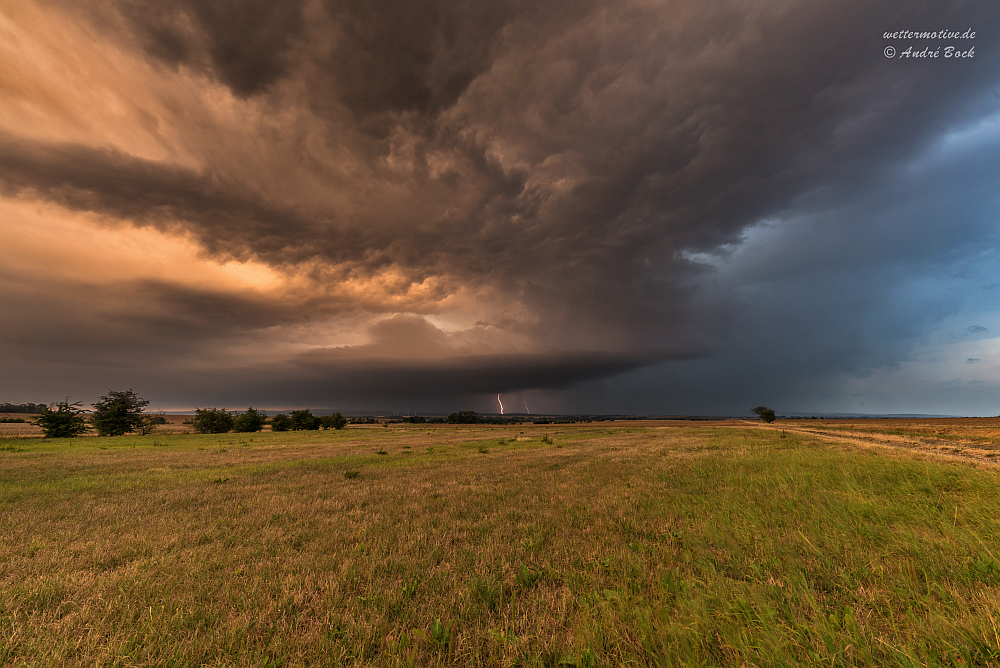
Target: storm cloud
[{"x": 615, "y": 206}]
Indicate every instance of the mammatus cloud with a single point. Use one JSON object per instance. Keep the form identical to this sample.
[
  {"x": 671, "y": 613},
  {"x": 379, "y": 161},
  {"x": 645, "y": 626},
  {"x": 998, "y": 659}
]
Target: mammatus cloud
[{"x": 447, "y": 199}]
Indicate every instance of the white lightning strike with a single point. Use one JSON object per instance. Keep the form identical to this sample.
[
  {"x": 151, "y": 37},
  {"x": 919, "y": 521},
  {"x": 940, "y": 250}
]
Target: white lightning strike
[
  {"x": 526, "y": 409},
  {"x": 501, "y": 403}
]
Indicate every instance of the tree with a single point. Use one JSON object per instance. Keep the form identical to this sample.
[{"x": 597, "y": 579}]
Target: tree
[
  {"x": 764, "y": 413},
  {"x": 335, "y": 421},
  {"x": 304, "y": 420},
  {"x": 118, "y": 413},
  {"x": 66, "y": 421},
  {"x": 212, "y": 421},
  {"x": 250, "y": 421},
  {"x": 463, "y": 417},
  {"x": 281, "y": 422}
]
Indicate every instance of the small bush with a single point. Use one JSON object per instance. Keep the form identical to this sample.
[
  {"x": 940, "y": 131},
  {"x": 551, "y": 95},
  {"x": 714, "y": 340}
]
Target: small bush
[
  {"x": 335, "y": 421},
  {"x": 351, "y": 475},
  {"x": 250, "y": 421},
  {"x": 304, "y": 420},
  {"x": 281, "y": 422},
  {"x": 764, "y": 413},
  {"x": 212, "y": 421},
  {"x": 463, "y": 417}
]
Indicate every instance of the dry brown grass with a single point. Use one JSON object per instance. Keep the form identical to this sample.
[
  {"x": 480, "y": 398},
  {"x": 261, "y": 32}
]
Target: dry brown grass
[{"x": 664, "y": 544}]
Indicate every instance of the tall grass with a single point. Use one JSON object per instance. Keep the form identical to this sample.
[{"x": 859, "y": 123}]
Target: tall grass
[{"x": 673, "y": 546}]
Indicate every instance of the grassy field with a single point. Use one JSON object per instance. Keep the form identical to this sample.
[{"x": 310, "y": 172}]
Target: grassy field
[{"x": 672, "y": 544}]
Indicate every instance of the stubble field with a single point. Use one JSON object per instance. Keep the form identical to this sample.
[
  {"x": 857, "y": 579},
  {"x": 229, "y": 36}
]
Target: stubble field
[{"x": 615, "y": 544}]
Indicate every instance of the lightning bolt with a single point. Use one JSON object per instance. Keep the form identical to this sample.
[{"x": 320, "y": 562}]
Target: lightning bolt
[
  {"x": 501, "y": 403},
  {"x": 526, "y": 409}
]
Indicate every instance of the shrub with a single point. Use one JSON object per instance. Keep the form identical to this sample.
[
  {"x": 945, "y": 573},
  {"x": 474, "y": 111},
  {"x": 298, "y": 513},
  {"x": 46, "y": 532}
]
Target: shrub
[
  {"x": 118, "y": 413},
  {"x": 250, "y": 421},
  {"x": 66, "y": 421},
  {"x": 764, "y": 413},
  {"x": 304, "y": 420},
  {"x": 212, "y": 421},
  {"x": 281, "y": 422},
  {"x": 335, "y": 421},
  {"x": 463, "y": 417},
  {"x": 148, "y": 423}
]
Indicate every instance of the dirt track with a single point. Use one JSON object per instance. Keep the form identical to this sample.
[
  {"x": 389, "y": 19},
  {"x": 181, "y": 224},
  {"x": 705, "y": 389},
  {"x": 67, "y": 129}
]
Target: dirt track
[{"x": 964, "y": 439}]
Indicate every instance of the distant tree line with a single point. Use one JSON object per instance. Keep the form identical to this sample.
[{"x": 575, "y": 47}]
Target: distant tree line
[
  {"x": 123, "y": 412},
  {"x": 22, "y": 408},
  {"x": 419, "y": 419},
  {"x": 220, "y": 421},
  {"x": 304, "y": 420}
]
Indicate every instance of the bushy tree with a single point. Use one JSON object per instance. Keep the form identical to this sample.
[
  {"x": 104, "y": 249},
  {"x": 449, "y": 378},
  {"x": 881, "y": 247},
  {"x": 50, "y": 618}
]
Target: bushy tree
[
  {"x": 118, "y": 413},
  {"x": 251, "y": 420},
  {"x": 765, "y": 414},
  {"x": 463, "y": 417},
  {"x": 304, "y": 420},
  {"x": 335, "y": 421},
  {"x": 212, "y": 421},
  {"x": 281, "y": 422},
  {"x": 66, "y": 421}
]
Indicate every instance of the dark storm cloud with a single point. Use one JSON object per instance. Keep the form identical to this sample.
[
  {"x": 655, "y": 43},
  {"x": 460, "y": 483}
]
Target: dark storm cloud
[
  {"x": 245, "y": 42},
  {"x": 573, "y": 158},
  {"x": 737, "y": 113},
  {"x": 396, "y": 56}
]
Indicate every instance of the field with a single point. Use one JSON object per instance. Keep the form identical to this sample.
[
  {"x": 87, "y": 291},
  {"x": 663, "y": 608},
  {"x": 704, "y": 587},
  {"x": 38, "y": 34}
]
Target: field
[{"x": 827, "y": 543}]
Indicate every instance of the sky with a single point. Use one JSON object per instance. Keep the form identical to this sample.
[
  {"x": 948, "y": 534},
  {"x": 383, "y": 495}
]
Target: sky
[{"x": 584, "y": 206}]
